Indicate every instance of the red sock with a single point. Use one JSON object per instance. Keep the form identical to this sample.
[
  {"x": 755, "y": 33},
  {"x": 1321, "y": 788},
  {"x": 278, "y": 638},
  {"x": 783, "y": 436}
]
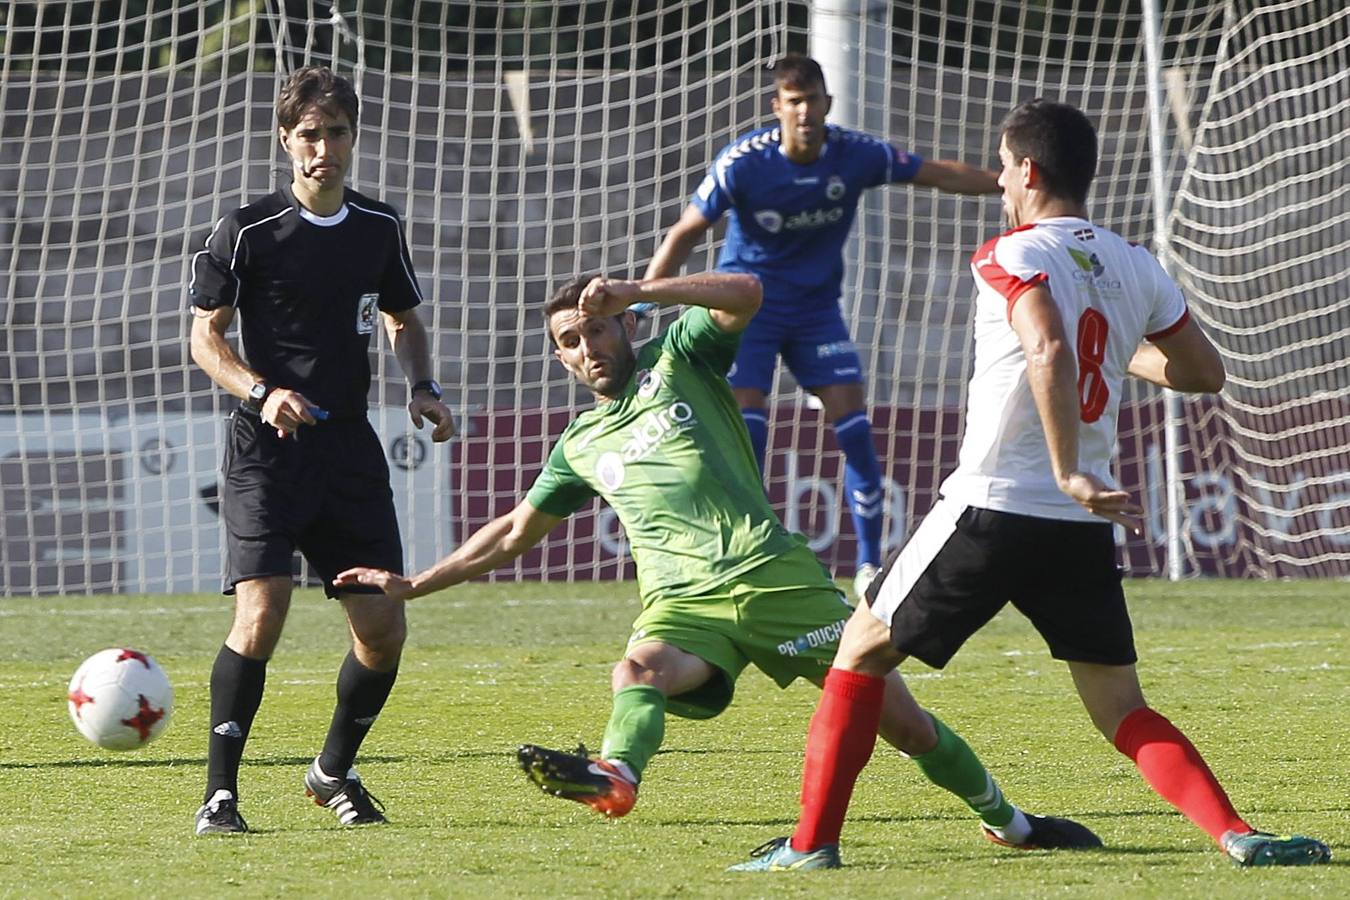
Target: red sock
[
  {"x": 1171, "y": 764},
  {"x": 838, "y": 745}
]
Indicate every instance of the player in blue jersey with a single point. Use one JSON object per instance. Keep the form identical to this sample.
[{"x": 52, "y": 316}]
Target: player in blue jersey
[{"x": 792, "y": 190}]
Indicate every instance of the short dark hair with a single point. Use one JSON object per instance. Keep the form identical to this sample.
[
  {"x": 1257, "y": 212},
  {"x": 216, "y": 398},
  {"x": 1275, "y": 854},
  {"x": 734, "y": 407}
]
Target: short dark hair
[
  {"x": 313, "y": 86},
  {"x": 1060, "y": 140},
  {"x": 565, "y": 297},
  {"x": 796, "y": 70}
]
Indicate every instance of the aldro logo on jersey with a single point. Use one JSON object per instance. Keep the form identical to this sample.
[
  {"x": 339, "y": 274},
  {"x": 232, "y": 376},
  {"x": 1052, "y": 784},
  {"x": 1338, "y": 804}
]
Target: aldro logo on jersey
[
  {"x": 645, "y": 435},
  {"x": 772, "y": 221}
]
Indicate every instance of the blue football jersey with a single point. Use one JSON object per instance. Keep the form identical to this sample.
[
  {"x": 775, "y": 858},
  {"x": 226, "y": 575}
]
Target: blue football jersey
[{"x": 789, "y": 221}]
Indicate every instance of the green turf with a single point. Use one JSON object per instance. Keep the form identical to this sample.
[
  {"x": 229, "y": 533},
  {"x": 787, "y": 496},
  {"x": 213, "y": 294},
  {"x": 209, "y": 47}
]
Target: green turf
[{"x": 1256, "y": 673}]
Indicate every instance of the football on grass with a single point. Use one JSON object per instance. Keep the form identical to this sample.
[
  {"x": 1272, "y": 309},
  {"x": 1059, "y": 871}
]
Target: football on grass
[{"x": 120, "y": 699}]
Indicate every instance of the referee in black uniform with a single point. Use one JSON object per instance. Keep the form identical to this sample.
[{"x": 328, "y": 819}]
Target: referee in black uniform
[{"x": 311, "y": 269}]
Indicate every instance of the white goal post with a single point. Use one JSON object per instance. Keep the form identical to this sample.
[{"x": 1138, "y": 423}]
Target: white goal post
[{"x": 524, "y": 142}]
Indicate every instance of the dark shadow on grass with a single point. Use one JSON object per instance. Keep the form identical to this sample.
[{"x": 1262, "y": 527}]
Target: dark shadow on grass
[
  {"x": 886, "y": 819},
  {"x": 119, "y": 762},
  {"x": 506, "y": 756},
  {"x": 736, "y": 751},
  {"x": 976, "y": 855}
]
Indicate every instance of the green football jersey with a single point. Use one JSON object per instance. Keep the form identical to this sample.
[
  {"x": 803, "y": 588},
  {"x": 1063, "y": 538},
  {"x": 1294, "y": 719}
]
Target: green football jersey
[{"x": 672, "y": 457}]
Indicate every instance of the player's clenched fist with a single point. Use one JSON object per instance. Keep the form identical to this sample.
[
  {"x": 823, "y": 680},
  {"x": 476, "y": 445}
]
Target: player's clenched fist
[{"x": 607, "y": 296}]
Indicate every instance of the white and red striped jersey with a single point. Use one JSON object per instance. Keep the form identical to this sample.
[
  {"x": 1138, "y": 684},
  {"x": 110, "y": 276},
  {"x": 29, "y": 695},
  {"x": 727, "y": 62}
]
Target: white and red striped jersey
[{"x": 1111, "y": 294}]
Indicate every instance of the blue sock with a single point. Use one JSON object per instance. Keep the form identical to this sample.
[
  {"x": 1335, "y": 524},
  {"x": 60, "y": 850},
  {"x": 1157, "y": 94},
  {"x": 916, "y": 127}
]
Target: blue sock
[
  {"x": 862, "y": 483},
  {"x": 757, "y": 423}
]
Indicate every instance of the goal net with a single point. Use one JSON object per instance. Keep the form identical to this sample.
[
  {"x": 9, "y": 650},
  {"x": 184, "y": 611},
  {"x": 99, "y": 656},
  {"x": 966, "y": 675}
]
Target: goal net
[
  {"x": 1260, "y": 233},
  {"x": 525, "y": 142}
]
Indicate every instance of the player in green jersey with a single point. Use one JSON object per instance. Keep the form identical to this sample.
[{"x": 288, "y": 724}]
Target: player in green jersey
[{"x": 722, "y": 583}]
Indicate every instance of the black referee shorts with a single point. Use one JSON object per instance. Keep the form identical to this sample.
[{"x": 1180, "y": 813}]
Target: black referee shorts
[
  {"x": 324, "y": 491},
  {"x": 963, "y": 564}
]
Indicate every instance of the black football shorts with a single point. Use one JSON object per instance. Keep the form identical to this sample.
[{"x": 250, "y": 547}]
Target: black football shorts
[
  {"x": 324, "y": 491},
  {"x": 964, "y": 563}
]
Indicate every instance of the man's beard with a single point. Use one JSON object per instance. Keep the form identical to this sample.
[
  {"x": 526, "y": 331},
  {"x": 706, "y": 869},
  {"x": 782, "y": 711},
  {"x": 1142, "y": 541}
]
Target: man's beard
[{"x": 610, "y": 386}]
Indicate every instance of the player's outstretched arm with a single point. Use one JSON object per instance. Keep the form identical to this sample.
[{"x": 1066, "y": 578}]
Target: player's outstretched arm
[
  {"x": 1185, "y": 361},
  {"x": 956, "y": 177},
  {"x": 495, "y": 544},
  {"x": 1052, "y": 373},
  {"x": 678, "y": 244}
]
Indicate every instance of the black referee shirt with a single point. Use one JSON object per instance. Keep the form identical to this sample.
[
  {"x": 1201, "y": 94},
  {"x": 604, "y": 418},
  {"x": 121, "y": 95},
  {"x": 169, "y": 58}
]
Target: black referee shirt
[{"x": 308, "y": 290}]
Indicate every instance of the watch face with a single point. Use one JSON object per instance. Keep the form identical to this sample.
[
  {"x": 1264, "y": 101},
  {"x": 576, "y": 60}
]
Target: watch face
[{"x": 258, "y": 391}]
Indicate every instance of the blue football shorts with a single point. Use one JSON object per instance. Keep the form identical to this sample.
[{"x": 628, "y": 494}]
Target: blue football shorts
[{"x": 815, "y": 346}]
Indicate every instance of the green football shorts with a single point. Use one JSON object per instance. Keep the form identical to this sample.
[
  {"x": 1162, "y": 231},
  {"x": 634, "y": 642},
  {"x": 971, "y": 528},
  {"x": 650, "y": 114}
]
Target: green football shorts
[{"x": 785, "y": 616}]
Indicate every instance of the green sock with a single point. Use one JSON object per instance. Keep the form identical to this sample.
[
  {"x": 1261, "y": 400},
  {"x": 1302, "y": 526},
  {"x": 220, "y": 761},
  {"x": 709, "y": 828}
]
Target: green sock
[
  {"x": 637, "y": 725},
  {"x": 954, "y": 766}
]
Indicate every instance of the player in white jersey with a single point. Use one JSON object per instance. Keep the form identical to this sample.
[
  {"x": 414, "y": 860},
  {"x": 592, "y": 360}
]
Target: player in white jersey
[
  {"x": 1065, "y": 310},
  {"x": 1107, "y": 293}
]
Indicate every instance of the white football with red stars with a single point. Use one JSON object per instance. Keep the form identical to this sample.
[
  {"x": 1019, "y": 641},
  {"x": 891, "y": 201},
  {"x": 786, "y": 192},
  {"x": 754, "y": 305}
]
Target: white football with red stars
[{"x": 120, "y": 699}]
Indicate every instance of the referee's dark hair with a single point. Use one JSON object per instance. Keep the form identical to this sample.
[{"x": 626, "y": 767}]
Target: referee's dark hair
[
  {"x": 798, "y": 71},
  {"x": 313, "y": 86},
  {"x": 565, "y": 297},
  {"x": 1060, "y": 140}
]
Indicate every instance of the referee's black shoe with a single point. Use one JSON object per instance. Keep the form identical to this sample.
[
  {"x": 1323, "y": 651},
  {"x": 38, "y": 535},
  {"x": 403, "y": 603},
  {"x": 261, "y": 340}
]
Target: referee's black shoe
[
  {"x": 347, "y": 797},
  {"x": 1050, "y": 833},
  {"x": 220, "y": 815}
]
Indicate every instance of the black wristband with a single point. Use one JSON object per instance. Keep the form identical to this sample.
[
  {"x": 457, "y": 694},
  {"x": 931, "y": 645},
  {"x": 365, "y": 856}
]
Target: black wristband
[{"x": 429, "y": 386}]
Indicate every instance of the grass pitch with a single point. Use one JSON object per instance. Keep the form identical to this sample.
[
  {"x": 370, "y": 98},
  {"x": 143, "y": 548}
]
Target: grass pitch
[{"x": 1255, "y": 673}]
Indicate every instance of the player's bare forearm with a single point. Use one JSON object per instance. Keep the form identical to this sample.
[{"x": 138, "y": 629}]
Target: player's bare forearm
[
  {"x": 1052, "y": 375},
  {"x": 671, "y": 255},
  {"x": 1185, "y": 361},
  {"x": 216, "y": 356},
  {"x": 679, "y": 242},
  {"x": 1149, "y": 364},
  {"x": 957, "y": 177},
  {"x": 732, "y": 298},
  {"x": 492, "y": 546},
  {"x": 735, "y": 293}
]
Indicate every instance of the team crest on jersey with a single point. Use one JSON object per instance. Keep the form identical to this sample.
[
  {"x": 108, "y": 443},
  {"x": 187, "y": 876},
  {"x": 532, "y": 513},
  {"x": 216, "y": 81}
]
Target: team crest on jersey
[
  {"x": 366, "y": 308},
  {"x": 609, "y": 470},
  {"x": 771, "y": 220},
  {"x": 834, "y": 188},
  {"x": 649, "y": 382}
]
